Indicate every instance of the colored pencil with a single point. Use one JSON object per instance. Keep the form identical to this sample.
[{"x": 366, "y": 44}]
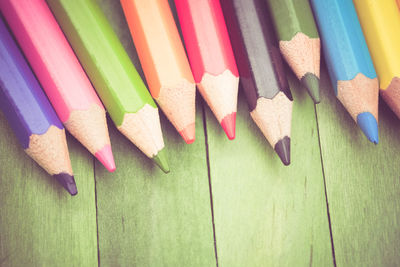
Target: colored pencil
[
  {"x": 164, "y": 61},
  {"x": 380, "y": 21},
  {"x": 298, "y": 41},
  {"x": 112, "y": 73},
  {"x": 349, "y": 63},
  {"x": 60, "y": 74},
  {"x": 30, "y": 115},
  {"x": 261, "y": 70},
  {"x": 211, "y": 58}
]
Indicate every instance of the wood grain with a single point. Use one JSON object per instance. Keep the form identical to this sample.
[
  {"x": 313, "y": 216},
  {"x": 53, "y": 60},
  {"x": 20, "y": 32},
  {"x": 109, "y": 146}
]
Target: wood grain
[
  {"x": 267, "y": 214},
  {"x": 40, "y": 223},
  {"x": 362, "y": 182},
  {"x": 146, "y": 218}
]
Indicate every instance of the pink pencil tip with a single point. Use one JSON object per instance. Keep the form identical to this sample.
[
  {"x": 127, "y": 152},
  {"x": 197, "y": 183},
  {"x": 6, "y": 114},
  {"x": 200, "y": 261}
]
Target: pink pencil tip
[
  {"x": 228, "y": 123},
  {"x": 189, "y": 133},
  {"x": 105, "y": 156}
]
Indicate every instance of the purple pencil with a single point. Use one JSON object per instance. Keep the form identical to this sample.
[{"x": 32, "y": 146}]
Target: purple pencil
[{"x": 30, "y": 114}]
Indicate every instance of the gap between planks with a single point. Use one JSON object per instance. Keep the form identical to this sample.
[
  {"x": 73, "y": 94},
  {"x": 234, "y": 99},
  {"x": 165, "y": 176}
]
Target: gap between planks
[
  {"x": 97, "y": 214},
  {"x": 326, "y": 194},
  {"x": 209, "y": 178}
]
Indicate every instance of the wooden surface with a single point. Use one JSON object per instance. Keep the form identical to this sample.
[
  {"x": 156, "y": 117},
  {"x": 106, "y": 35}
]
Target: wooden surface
[{"x": 235, "y": 195}]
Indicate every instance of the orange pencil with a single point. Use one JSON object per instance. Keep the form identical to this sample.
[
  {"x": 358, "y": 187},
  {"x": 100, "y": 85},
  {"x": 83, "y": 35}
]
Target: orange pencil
[{"x": 164, "y": 61}]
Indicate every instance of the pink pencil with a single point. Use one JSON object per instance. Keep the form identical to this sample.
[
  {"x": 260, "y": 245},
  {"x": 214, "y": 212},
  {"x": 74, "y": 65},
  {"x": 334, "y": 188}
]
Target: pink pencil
[
  {"x": 211, "y": 58},
  {"x": 60, "y": 74}
]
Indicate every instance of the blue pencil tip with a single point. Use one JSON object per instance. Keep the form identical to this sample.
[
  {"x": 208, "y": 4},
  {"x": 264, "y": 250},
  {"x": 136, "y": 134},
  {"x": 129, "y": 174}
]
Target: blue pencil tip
[{"x": 369, "y": 126}]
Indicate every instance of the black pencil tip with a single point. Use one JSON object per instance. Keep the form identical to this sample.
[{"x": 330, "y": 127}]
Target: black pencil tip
[
  {"x": 282, "y": 148},
  {"x": 68, "y": 182},
  {"x": 311, "y": 82}
]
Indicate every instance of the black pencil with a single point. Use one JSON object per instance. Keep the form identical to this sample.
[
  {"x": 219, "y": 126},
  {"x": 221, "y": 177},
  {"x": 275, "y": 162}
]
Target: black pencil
[{"x": 261, "y": 71}]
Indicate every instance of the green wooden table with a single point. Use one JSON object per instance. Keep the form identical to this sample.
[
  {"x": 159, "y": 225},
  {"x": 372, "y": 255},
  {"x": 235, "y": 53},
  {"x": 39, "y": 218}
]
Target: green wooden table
[{"x": 225, "y": 203}]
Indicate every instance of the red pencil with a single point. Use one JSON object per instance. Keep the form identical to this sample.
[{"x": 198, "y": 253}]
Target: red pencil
[{"x": 211, "y": 58}]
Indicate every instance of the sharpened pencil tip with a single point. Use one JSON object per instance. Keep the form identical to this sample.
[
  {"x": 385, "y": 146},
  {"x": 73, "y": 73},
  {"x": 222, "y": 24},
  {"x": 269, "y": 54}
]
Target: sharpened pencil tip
[
  {"x": 228, "y": 123},
  {"x": 105, "y": 156},
  {"x": 311, "y": 82},
  {"x": 282, "y": 148},
  {"x": 369, "y": 126},
  {"x": 68, "y": 182},
  {"x": 161, "y": 160},
  {"x": 189, "y": 133}
]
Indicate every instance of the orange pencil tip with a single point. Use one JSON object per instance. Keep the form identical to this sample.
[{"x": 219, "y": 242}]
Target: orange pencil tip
[
  {"x": 228, "y": 123},
  {"x": 105, "y": 156},
  {"x": 189, "y": 133}
]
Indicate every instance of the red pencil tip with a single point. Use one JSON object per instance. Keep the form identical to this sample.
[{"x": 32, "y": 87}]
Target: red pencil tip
[
  {"x": 105, "y": 156},
  {"x": 189, "y": 133},
  {"x": 228, "y": 123}
]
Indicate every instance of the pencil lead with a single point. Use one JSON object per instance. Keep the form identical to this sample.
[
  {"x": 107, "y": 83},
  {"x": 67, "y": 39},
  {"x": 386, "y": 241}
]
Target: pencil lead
[
  {"x": 105, "y": 156},
  {"x": 161, "y": 160},
  {"x": 228, "y": 123},
  {"x": 68, "y": 182},
  {"x": 282, "y": 148},
  {"x": 311, "y": 82},
  {"x": 369, "y": 126},
  {"x": 189, "y": 133}
]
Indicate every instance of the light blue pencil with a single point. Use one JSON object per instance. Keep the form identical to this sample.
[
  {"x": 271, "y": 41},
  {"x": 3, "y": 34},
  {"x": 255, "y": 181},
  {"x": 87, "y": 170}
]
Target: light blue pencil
[{"x": 349, "y": 63}]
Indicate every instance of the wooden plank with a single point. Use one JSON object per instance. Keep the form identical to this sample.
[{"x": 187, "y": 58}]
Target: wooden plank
[
  {"x": 145, "y": 217},
  {"x": 40, "y": 223},
  {"x": 363, "y": 184},
  {"x": 267, "y": 214}
]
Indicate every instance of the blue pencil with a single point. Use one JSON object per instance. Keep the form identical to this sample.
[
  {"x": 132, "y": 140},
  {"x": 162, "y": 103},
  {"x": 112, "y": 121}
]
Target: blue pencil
[
  {"x": 30, "y": 114},
  {"x": 349, "y": 63}
]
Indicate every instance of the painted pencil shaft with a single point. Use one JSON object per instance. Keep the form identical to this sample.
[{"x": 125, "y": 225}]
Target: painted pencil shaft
[
  {"x": 113, "y": 75},
  {"x": 380, "y": 21},
  {"x": 30, "y": 115},
  {"x": 60, "y": 74},
  {"x": 164, "y": 61},
  {"x": 349, "y": 63},
  {"x": 211, "y": 58},
  {"x": 261, "y": 70},
  {"x": 298, "y": 40}
]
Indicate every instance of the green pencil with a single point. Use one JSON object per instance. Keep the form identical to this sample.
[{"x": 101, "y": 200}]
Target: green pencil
[
  {"x": 298, "y": 40},
  {"x": 113, "y": 75}
]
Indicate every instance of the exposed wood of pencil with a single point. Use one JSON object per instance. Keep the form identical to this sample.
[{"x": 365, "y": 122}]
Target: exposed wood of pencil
[
  {"x": 89, "y": 127},
  {"x": 359, "y": 95},
  {"x": 392, "y": 95},
  {"x": 164, "y": 61},
  {"x": 220, "y": 93},
  {"x": 273, "y": 117},
  {"x": 177, "y": 101},
  {"x": 50, "y": 151},
  {"x": 302, "y": 54},
  {"x": 142, "y": 129}
]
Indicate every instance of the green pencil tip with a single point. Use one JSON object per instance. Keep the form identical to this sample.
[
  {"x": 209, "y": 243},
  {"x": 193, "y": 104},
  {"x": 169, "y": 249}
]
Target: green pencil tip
[
  {"x": 161, "y": 160},
  {"x": 311, "y": 82}
]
